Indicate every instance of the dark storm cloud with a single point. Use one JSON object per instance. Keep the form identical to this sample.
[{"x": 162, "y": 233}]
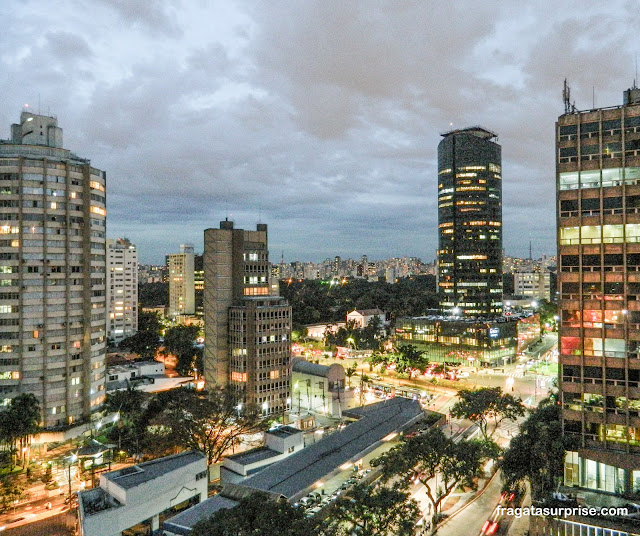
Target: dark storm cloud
[{"x": 320, "y": 118}]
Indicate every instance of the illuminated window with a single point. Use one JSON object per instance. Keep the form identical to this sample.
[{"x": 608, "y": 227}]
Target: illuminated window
[
  {"x": 274, "y": 374},
  {"x": 98, "y": 210},
  {"x": 239, "y": 377}
]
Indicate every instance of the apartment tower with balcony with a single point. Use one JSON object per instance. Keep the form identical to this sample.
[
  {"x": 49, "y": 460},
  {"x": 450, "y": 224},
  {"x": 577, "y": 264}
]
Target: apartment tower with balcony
[
  {"x": 122, "y": 289},
  {"x": 52, "y": 273}
]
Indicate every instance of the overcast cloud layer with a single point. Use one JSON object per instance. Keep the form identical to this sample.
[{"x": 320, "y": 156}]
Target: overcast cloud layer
[{"x": 319, "y": 118}]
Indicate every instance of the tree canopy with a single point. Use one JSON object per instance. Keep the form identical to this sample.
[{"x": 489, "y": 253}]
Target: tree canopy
[
  {"x": 537, "y": 453},
  {"x": 256, "y": 515},
  {"x": 209, "y": 421},
  {"x": 376, "y": 511},
  {"x": 433, "y": 453},
  {"x": 482, "y": 405},
  {"x": 179, "y": 342}
]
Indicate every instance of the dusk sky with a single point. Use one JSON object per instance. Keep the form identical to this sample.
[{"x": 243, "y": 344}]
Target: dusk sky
[{"x": 319, "y": 118}]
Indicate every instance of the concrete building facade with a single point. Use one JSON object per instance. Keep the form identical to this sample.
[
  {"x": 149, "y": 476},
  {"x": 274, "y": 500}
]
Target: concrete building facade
[
  {"x": 536, "y": 284},
  {"x": 470, "y": 223},
  {"x": 182, "y": 300},
  {"x": 598, "y": 196},
  {"x": 247, "y": 328},
  {"x": 137, "y": 498},
  {"x": 122, "y": 289},
  {"x": 52, "y": 273}
]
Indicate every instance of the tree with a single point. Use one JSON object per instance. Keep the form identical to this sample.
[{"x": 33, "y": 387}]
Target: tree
[
  {"x": 20, "y": 421},
  {"x": 149, "y": 322},
  {"x": 256, "y": 515},
  {"x": 537, "y": 453},
  {"x": 436, "y": 460},
  {"x": 179, "y": 341},
  {"x": 376, "y": 359},
  {"x": 481, "y": 405},
  {"x": 409, "y": 359},
  {"x": 12, "y": 490},
  {"x": 377, "y": 511},
  {"x": 210, "y": 422},
  {"x": 143, "y": 343},
  {"x": 350, "y": 371}
]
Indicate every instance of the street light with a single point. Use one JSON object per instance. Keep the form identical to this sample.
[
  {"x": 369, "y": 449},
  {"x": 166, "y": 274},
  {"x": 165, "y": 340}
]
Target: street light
[{"x": 72, "y": 460}]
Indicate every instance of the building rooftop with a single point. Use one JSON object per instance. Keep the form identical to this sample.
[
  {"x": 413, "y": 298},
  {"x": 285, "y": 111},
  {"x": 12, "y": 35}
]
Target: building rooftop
[
  {"x": 299, "y": 471},
  {"x": 299, "y": 364},
  {"x": 296, "y": 473},
  {"x": 133, "y": 476},
  {"x": 254, "y": 455},
  {"x": 367, "y": 312},
  {"x": 478, "y": 131},
  {"x": 284, "y": 431}
]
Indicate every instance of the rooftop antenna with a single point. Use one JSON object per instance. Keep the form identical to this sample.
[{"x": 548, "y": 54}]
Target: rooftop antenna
[
  {"x": 593, "y": 97},
  {"x": 566, "y": 98},
  {"x": 636, "y": 78},
  {"x": 530, "y": 254},
  {"x": 282, "y": 260},
  {"x": 39, "y": 104}
]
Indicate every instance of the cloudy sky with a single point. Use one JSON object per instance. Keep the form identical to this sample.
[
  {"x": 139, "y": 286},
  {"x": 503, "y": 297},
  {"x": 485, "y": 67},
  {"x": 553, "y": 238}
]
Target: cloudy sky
[{"x": 320, "y": 118}]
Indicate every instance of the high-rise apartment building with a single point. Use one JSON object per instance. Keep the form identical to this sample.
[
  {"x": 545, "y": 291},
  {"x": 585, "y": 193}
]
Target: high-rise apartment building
[
  {"x": 198, "y": 284},
  {"x": 598, "y": 196},
  {"x": 122, "y": 289},
  {"x": 534, "y": 283},
  {"x": 52, "y": 273},
  {"x": 182, "y": 300},
  {"x": 247, "y": 328},
  {"x": 470, "y": 223}
]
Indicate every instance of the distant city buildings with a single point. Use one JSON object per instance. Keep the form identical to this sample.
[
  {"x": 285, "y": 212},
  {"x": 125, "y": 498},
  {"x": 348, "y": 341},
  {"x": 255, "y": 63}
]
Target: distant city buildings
[
  {"x": 52, "y": 273},
  {"x": 180, "y": 267},
  {"x": 247, "y": 328},
  {"x": 122, "y": 289},
  {"x": 535, "y": 284},
  {"x": 470, "y": 223}
]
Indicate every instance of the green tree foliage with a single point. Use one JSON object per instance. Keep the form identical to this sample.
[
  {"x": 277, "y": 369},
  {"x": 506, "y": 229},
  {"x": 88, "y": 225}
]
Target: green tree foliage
[
  {"x": 482, "y": 405},
  {"x": 433, "y": 453},
  {"x": 537, "y": 453},
  {"x": 351, "y": 335},
  {"x": 256, "y": 515},
  {"x": 146, "y": 340},
  {"x": 153, "y": 294},
  {"x": 350, "y": 371},
  {"x": 19, "y": 422},
  {"x": 11, "y": 491},
  {"x": 547, "y": 311},
  {"x": 131, "y": 427},
  {"x": 318, "y": 301},
  {"x": 209, "y": 422},
  {"x": 143, "y": 343},
  {"x": 179, "y": 342},
  {"x": 149, "y": 322},
  {"x": 409, "y": 359},
  {"x": 378, "y": 511}
]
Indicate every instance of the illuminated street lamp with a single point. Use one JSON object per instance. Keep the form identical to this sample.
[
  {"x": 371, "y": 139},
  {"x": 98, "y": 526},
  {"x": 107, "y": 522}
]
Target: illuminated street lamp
[{"x": 72, "y": 460}]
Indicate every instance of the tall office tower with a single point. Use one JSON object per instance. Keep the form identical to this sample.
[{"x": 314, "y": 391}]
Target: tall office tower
[
  {"x": 122, "y": 289},
  {"x": 198, "y": 283},
  {"x": 470, "y": 223},
  {"x": 182, "y": 299},
  {"x": 247, "y": 326},
  {"x": 598, "y": 195},
  {"x": 52, "y": 270}
]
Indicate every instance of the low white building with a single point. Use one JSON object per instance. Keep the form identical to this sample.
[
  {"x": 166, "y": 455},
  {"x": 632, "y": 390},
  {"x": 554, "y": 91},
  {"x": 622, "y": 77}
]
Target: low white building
[
  {"x": 140, "y": 495},
  {"x": 279, "y": 443},
  {"x": 120, "y": 376},
  {"x": 319, "y": 388},
  {"x": 362, "y": 317}
]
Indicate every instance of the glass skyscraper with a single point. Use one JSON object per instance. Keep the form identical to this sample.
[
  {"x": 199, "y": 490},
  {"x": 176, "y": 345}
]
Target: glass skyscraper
[{"x": 470, "y": 223}]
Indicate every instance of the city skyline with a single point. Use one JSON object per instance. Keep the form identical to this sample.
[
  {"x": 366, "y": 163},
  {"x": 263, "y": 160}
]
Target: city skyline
[{"x": 193, "y": 128}]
